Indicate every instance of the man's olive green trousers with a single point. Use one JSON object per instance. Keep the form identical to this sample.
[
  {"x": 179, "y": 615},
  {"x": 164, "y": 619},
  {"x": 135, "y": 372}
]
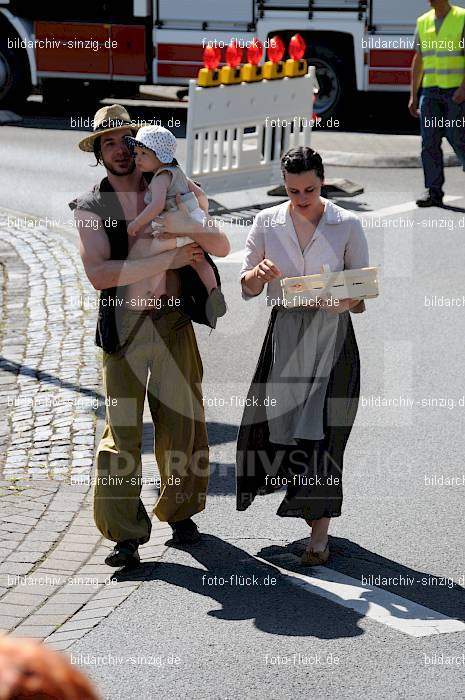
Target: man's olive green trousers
[{"x": 161, "y": 361}]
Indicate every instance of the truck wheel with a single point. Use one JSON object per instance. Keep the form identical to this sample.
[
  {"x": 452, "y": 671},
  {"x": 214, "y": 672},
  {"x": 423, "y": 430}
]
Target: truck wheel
[
  {"x": 15, "y": 83},
  {"x": 335, "y": 80}
]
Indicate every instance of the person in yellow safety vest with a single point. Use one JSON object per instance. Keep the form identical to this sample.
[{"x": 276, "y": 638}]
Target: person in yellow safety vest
[{"x": 438, "y": 68}]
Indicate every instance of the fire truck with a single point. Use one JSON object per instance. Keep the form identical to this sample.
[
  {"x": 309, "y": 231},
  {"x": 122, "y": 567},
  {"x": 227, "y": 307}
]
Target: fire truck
[{"x": 98, "y": 48}]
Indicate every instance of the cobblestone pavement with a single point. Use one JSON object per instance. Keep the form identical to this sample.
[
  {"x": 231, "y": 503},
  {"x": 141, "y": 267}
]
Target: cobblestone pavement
[{"x": 54, "y": 585}]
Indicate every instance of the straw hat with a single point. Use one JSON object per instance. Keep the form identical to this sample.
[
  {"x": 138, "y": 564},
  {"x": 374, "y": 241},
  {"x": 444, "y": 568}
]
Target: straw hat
[{"x": 107, "y": 120}]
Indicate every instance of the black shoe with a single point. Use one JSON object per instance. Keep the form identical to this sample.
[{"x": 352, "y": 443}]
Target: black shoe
[
  {"x": 124, "y": 554},
  {"x": 185, "y": 532},
  {"x": 267, "y": 489},
  {"x": 215, "y": 306},
  {"x": 431, "y": 198}
]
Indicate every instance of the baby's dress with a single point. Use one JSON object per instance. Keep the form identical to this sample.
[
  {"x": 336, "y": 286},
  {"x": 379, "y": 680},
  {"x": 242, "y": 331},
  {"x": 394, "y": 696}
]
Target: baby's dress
[{"x": 178, "y": 185}]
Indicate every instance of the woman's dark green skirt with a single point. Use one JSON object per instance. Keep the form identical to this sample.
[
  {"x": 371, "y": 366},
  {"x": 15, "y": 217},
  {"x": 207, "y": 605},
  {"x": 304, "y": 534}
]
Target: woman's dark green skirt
[{"x": 311, "y": 470}]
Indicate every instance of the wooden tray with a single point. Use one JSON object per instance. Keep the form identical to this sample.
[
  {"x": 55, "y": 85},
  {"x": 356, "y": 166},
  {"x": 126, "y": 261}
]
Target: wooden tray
[{"x": 361, "y": 283}]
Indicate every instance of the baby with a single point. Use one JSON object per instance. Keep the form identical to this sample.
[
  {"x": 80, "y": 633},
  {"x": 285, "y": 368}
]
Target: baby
[{"x": 154, "y": 148}]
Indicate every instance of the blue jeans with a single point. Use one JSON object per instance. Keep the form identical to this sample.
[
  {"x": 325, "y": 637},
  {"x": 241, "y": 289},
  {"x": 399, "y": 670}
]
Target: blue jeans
[{"x": 436, "y": 106}]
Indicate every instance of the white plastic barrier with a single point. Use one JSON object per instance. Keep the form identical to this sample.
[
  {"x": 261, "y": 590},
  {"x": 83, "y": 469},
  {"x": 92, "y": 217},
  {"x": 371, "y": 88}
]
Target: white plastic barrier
[{"x": 236, "y": 134}]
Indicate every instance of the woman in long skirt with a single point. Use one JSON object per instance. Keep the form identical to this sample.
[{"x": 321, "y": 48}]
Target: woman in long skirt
[{"x": 304, "y": 395}]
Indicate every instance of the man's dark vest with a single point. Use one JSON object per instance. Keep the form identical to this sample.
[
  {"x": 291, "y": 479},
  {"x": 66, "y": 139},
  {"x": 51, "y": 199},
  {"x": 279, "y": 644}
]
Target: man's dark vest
[{"x": 103, "y": 201}]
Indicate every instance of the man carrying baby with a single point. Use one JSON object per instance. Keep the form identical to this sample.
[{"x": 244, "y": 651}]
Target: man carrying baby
[
  {"x": 154, "y": 148},
  {"x": 149, "y": 348}
]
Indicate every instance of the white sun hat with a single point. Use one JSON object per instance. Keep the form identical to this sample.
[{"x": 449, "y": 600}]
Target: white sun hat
[{"x": 160, "y": 140}]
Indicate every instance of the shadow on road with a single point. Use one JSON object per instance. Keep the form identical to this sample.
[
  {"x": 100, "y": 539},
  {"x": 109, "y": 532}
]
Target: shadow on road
[
  {"x": 39, "y": 115},
  {"x": 449, "y": 207},
  {"x": 277, "y": 608},
  {"x": 218, "y": 434},
  {"x": 348, "y": 558},
  {"x": 382, "y": 113},
  {"x": 377, "y": 113},
  {"x": 52, "y": 380},
  {"x": 281, "y": 607}
]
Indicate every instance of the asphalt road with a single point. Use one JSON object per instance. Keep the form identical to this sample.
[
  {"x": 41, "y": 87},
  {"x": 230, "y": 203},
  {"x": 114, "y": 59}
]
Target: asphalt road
[{"x": 232, "y": 640}]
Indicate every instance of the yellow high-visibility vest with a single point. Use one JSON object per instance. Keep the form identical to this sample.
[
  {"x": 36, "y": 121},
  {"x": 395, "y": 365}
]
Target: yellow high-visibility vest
[{"x": 443, "y": 53}]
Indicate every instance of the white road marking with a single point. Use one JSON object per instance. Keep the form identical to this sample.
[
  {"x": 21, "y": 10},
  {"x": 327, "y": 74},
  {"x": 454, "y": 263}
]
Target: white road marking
[
  {"x": 401, "y": 208},
  {"x": 389, "y": 609},
  {"x": 238, "y": 255}
]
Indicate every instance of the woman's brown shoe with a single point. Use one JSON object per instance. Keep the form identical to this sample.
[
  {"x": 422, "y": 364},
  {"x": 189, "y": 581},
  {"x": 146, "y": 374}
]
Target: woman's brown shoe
[{"x": 311, "y": 558}]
